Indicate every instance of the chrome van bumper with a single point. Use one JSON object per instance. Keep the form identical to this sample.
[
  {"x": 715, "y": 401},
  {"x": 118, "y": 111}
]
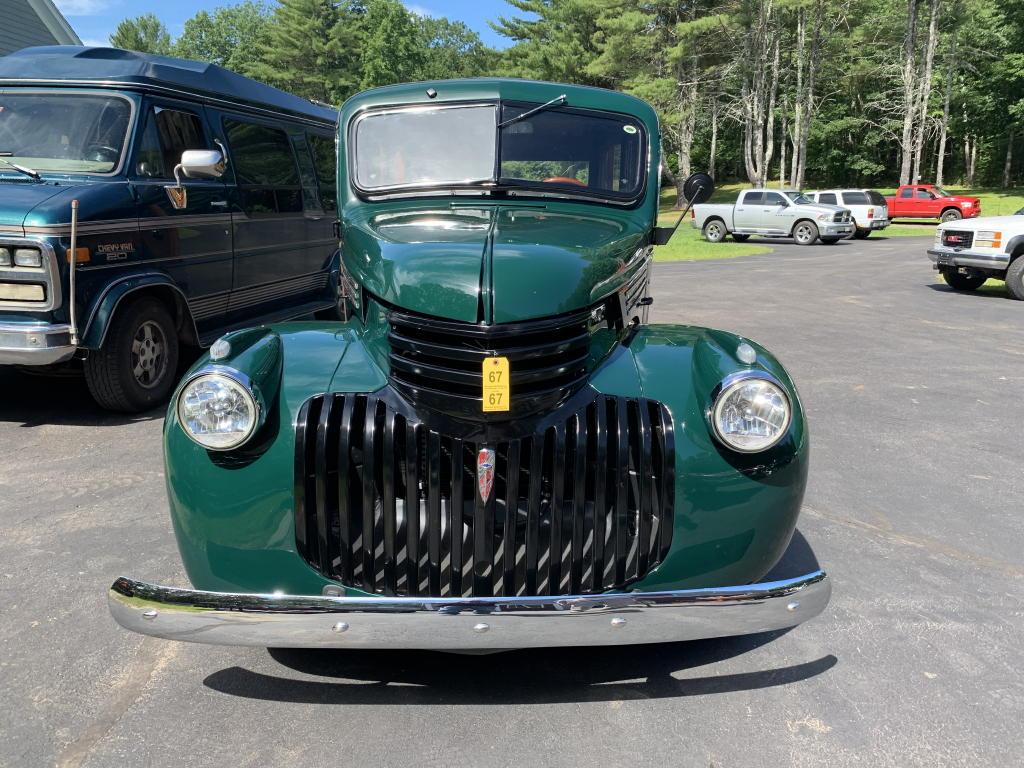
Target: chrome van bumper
[
  {"x": 35, "y": 343},
  {"x": 464, "y": 624},
  {"x": 943, "y": 256},
  {"x": 827, "y": 230}
]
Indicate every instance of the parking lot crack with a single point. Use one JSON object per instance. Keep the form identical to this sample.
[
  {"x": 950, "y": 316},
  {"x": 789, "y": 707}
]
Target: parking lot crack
[{"x": 151, "y": 656}]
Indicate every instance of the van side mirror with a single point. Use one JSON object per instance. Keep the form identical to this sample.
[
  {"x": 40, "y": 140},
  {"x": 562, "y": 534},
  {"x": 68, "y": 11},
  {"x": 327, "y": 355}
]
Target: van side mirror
[{"x": 201, "y": 164}]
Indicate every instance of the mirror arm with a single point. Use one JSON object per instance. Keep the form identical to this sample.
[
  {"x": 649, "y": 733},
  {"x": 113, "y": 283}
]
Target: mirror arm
[{"x": 663, "y": 234}]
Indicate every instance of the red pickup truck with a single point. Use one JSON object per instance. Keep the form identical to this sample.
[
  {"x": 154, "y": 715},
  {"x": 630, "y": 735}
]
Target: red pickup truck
[{"x": 926, "y": 201}]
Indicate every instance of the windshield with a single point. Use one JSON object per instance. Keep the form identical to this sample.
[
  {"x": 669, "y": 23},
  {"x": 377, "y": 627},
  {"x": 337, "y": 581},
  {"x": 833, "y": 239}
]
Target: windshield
[
  {"x": 875, "y": 197},
  {"x": 940, "y": 192},
  {"x": 62, "y": 132},
  {"x": 557, "y": 149},
  {"x": 799, "y": 198}
]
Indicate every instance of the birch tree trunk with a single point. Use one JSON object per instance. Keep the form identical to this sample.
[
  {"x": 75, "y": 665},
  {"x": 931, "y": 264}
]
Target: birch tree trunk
[
  {"x": 909, "y": 90},
  {"x": 940, "y": 163},
  {"x": 782, "y": 148},
  {"x": 798, "y": 101},
  {"x": 925, "y": 90},
  {"x": 1008, "y": 165},
  {"x": 714, "y": 138},
  {"x": 813, "y": 65}
]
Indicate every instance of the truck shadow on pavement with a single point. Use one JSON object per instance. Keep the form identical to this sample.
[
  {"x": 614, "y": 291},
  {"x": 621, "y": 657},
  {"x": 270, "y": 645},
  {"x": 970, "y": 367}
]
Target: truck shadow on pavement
[
  {"x": 34, "y": 399},
  {"x": 532, "y": 676}
]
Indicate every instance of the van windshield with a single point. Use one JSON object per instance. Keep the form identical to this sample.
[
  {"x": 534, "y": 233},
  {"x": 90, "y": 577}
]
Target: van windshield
[
  {"x": 64, "y": 133},
  {"x": 562, "y": 151}
]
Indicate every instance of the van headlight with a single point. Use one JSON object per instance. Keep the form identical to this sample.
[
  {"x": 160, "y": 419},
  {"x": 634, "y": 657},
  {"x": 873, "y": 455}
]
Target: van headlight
[
  {"x": 219, "y": 408},
  {"x": 750, "y": 412}
]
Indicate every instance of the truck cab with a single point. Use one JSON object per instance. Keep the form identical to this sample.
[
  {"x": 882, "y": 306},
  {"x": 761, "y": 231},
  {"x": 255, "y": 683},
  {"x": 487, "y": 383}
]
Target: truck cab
[
  {"x": 149, "y": 203},
  {"x": 928, "y": 201}
]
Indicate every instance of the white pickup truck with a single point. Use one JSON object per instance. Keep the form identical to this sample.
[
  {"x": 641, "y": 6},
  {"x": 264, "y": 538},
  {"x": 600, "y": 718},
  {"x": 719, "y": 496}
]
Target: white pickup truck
[
  {"x": 969, "y": 251},
  {"x": 773, "y": 213}
]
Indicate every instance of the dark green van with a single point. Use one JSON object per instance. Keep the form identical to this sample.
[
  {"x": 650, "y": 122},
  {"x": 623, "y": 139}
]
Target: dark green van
[{"x": 205, "y": 201}]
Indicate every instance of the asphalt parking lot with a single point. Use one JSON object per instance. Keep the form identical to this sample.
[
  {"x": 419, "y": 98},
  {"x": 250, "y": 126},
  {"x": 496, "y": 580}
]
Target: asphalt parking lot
[{"x": 914, "y": 507}]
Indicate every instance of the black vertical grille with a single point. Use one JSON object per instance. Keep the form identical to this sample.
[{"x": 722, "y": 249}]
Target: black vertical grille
[{"x": 390, "y": 505}]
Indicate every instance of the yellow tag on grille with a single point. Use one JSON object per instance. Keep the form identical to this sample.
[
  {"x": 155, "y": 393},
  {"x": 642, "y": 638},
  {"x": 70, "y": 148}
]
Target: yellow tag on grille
[{"x": 496, "y": 384}]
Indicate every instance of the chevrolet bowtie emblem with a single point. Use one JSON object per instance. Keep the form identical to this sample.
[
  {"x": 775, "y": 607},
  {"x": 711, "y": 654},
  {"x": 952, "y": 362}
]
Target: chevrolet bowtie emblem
[{"x": 485, "y": 473}]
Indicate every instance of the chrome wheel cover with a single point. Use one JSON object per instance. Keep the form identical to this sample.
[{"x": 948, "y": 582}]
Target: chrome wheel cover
[{"x": 149, "y": 355}]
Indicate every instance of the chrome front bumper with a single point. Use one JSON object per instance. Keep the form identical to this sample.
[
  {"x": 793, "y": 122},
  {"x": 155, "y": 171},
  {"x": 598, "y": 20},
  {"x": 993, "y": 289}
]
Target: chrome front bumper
[
  {"x": 464, "y": 624},
  {"x": 827, "y": 230},
  {"x": 943, "y": 256},
  {"x": 35, "y": 344}
]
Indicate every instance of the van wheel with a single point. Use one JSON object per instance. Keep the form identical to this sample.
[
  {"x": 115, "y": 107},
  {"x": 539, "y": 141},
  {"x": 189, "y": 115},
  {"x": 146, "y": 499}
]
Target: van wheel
[
  {"x": 951, "y": 214},
  {"x": 714, "y": 231},
  {"x": 1015, "y": 278},
  {"x": 136, "y": 368},
  {"x": 958, "y": 281},
  {"x": 805, "y": 232},
  {"x": 861, "y": 234},
  {"x": 740, "y": 238}
]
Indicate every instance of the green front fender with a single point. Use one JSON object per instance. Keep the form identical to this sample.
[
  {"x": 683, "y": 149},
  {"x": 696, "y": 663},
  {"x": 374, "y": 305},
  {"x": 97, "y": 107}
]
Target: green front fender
[
  {"x": 735, "y": 513},
  {"x": 233, "y": 513}
]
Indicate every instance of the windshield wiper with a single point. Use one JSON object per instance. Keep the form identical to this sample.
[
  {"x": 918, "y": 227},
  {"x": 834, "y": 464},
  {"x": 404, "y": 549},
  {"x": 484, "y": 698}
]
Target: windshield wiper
[
  {"x": 27, "y": 171},
  {"x": 556, "y": 102}
]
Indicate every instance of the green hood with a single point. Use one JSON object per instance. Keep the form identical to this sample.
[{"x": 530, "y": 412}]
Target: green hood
[
  {"x": 496, "y": 264},
  {"x": 18, "y": 199}
]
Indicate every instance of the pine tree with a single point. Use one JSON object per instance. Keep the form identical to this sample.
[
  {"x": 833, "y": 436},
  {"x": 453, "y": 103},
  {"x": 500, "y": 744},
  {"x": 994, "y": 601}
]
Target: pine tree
[{"x": 302, "y": 54}]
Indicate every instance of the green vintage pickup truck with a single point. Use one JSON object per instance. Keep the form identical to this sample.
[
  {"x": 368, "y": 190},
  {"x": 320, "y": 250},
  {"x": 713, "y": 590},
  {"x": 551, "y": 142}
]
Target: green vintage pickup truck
[{"x": 495, "y": 450}]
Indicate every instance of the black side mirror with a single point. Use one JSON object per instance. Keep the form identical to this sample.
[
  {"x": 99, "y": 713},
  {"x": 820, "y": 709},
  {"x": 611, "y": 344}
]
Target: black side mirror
[{"x": 697, "y": 189}]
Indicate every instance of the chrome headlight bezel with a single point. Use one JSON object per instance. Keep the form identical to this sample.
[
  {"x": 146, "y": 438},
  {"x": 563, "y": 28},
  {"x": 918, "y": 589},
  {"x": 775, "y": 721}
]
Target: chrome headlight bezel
[
  {"x": 236, "y": 379},
  {"x": 726, "y": 387}
]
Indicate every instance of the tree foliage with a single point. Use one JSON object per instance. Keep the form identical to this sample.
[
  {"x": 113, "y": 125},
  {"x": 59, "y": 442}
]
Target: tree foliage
[
  {"x": 146, "y": 34},
  {"x": 793, "y": 92}
]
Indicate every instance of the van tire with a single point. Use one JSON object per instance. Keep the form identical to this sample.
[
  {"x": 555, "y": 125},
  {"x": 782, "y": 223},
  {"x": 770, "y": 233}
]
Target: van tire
[
  {"x": 1015, "y": 278},
  {"x": 951, "y": 214},
  {"x": 859, "y": 233},
  {"x": 714, "y": 231},
  {"x": 136, "y": 368},
  {"x": 805, "y": 232},
  {"x": 960, "y": 282}
]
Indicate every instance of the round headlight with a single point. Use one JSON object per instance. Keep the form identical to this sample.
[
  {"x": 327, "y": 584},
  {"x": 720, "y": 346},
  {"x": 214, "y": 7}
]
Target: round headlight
[
  {"x": 218, "y": 411},
  {"x": 751, "y": 414}
]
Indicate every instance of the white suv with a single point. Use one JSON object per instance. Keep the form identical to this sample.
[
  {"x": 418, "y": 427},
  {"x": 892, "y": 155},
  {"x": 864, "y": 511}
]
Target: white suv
[{"x": 870, "y": 213}]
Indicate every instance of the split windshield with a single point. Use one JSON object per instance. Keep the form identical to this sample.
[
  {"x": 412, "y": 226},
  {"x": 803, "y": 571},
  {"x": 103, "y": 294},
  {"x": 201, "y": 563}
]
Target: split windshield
[
  {"x": 556, "y": 150},
  {"x": 63, "y": 133}
]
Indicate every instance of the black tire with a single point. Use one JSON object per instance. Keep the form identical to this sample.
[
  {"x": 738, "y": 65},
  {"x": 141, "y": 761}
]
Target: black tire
[
  {"x": 137, "y": 367},
  {"x": 831, "y": 240},
  {"x": 1015, "y": 278},
  {"x": 714, "y": 231},
  {"x": 951, "y": 214},
  {"x": 740, "y": 238},
  {"x": 961, "y": 282},
  {"x": 805, "y": 232},
  {"x": 861, "y": 234}
]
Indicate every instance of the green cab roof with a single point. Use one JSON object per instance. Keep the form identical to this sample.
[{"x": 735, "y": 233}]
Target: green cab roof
[
  {"x": 75, "y": 65},
  {"x": 505, "y": 89}
]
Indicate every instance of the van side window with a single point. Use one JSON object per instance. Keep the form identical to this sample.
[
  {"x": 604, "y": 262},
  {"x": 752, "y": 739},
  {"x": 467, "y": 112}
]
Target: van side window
[
  {"x": 325, "y": 161},
  {"x": 924, "y": 194},
  {"x": 906, "y": 192},
  {"x": 265, "y": 167},
  {"x": 828, "y": 198},
  {"x": 753, "y": 198},
  {"x": 168, "y": 133},
  {"x": 773, "y": 198}
]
